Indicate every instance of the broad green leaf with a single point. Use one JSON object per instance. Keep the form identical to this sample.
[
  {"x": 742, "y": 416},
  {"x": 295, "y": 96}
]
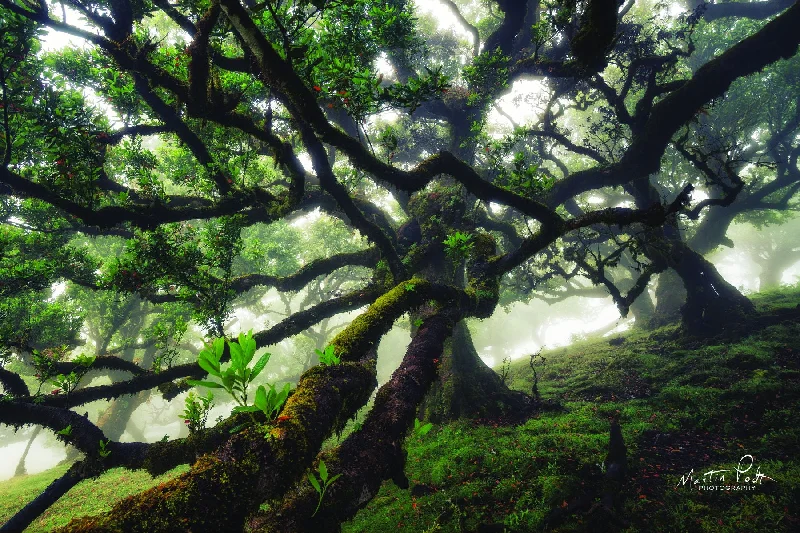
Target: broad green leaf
[
  {"x": 334, "y": 478},
  {"x": 206, "y": 353},
  {"x": 209, "y": 384},
  {"x": 314, "y": 483},
  {"x": 261, "y": 398},
  {"x": 209, "y": 366},
  {"x": 236, "y": 355},
  {"x": 249, "y": 348},
  {"x": 228, "y": 380},
  {"x": 262, "y": 362},
  {"x": 323, "y": 471},
  {"x": 219, "y": 347}
]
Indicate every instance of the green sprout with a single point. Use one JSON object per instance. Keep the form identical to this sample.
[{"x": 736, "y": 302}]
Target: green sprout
[
  {"x": 196, "y": 411},
  {"x": 458, "y": 245},
  {"x": 237, "y": 377},
  {"x": 104, "y": 451},
  {"x": 328, "y": 356},
  {"x": 322, "y": 484},
  {"x": 422, "y": 429}
]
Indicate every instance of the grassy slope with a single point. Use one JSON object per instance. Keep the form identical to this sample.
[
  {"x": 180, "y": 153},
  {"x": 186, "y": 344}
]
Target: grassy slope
[{"x": 682, "y": 405}]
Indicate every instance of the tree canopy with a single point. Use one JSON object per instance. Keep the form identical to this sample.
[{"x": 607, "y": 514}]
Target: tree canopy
[{"x": 186, "y": 159}]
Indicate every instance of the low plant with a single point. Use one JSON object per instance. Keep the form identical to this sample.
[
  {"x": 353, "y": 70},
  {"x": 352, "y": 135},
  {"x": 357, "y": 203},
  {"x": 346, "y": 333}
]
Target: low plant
[
  {"x": 236, "y": 378},
  {"x": 196, "y": 411},
  {"x": 322, "y": 484},
  {"x": 422, "y": 429},
  {"x": 103, "y": 450},
  {"x": 328, "y": 356},
  {"x": 458, "y": 245},
  {"x": 505, "y": 369}
]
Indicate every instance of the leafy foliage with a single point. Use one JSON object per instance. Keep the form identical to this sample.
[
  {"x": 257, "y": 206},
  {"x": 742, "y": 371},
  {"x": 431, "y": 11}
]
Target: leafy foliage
[
  {"x": 458, "y": 245},
  {"x": 196, "y": 410},
  {"x": 328, "y": 356}
]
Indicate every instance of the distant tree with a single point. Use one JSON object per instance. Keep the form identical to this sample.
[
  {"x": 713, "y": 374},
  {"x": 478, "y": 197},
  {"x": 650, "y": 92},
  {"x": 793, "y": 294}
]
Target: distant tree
[{"x": 185, "y": 131}]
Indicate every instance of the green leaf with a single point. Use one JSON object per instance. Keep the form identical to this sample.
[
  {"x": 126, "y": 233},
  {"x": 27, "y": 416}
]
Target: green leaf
[
  {"x": 238, "y": 428},
  {"x": 248, "y": 345},
  {"x": 219, "y": 348},
  {"x": 314, "y": 483},
  {"x": 209, "y": 384},
  {"x": 323, "y": 471},
  {"x": 334, "y": 478},
  {"x": 262, "y": 362},
  {"x": 261, "y": 398},
  {"x": 237, "y": 358},
  {"x": 212, "y": 367}
]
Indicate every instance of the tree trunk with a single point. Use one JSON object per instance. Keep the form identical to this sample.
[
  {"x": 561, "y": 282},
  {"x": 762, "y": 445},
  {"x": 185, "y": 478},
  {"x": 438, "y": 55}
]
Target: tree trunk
[
  {"x": 773, "y": 267},
  {"x": 643, "y": 310},
  {"x": 20, "y": 470},
  {"x": 467, "y": 388},
  {"x": 712, "y": 304},
  {"x": 670, "y": 296}
]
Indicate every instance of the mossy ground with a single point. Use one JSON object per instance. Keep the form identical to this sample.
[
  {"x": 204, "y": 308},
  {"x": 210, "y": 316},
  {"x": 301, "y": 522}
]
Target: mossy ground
[{"x": 682, "y": 404}]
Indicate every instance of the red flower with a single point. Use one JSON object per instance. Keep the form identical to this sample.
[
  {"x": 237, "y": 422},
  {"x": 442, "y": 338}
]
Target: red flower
[{"x": 317, "y": 88}]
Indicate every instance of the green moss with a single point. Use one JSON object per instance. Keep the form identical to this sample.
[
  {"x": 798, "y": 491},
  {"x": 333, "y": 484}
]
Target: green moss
[{"x": 367, "y": 328}]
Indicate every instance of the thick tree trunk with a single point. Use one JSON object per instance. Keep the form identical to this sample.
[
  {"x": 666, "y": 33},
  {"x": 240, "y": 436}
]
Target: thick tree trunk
[
  {"x": 467, "y": 388},
  {"x": 773, "y": 267},
  {"x": 643, "y": 310},
  {"x": 670, "y": 296},
  {"x": 712, "y": 304}
]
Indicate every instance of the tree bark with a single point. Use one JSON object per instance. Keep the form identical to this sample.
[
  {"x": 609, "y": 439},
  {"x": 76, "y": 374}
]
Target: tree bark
[
  {"x": 712, "y": 304},
  {"x": 467, "y": 388},
  {"x": 670, "y": 296}
]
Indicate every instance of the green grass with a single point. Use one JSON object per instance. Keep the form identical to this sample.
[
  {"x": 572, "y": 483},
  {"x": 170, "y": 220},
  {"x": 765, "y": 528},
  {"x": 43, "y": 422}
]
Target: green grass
[
  {"x": 88, "y": 498},
  {"x": 682, "y": 404}
]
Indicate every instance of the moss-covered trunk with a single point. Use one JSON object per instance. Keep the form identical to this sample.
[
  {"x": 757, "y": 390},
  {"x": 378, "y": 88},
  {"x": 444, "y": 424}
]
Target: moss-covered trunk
[{"x": 467, "y": 388}]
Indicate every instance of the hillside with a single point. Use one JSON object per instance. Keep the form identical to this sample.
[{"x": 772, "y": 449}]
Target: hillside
[{"x": 683, "y": 404}]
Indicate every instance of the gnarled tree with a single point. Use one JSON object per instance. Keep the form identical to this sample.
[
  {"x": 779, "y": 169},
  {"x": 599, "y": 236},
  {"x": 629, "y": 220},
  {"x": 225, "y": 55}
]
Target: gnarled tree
[{"x": 184, "y": 129}]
